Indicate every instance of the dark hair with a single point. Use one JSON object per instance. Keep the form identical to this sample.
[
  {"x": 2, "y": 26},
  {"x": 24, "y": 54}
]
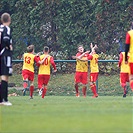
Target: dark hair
[
  {"x": 5, "y": 17},
  {"x": 46, "y": 49},
  {"x": 30, "y": 48}
]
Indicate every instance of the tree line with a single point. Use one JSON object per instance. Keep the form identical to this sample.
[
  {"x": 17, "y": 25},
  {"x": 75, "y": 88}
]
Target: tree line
[{"x": 65, "y": 24}]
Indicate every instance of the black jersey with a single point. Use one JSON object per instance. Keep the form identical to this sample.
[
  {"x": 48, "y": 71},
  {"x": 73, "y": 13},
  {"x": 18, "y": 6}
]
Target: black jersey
[{"x": 5, "y": 39}]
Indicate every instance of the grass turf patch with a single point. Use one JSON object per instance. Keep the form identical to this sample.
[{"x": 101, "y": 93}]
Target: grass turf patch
[{"x": 67, "y": 114}]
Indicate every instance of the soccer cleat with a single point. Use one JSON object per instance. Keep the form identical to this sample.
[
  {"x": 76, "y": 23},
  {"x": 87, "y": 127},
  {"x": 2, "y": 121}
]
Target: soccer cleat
[
  {"x": 7, "y": 103},
  {"x": 40, "y": 92},
  {"x": 95, "y": 96},
  {"x": 124, "y": 95},
  {"x": 77, "y": 95},
  {"x": 31, "y": 97},
  {"x": 1, "y": 103}
]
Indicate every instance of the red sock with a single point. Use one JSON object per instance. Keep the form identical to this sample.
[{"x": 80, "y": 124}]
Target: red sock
[
  {"x": 92, "y": 89},
  {"x": 76, "y": 88},
  {"x": 44, "y": 92},
  {"x": 31, "y": 90},
  {"x": 25, "y": 84},
  {"x": 131, "y": 84},
  {"x": 84, "y": 91},
  {"x": 124, "y": 88}
]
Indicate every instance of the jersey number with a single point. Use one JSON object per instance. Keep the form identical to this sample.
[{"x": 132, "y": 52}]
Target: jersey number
[
  {"x": 45, "y": 62},
  {"x": 96, "y": 60},
  {"x": 27, "y": 60}
]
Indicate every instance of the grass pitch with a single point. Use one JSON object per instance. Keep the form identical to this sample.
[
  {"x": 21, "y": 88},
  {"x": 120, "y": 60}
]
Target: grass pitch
[{"x": 67, "y": 114}]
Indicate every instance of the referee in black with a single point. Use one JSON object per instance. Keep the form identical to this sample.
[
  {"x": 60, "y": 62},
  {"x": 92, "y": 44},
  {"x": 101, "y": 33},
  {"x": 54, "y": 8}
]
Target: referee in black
[{"x": 5, "y": 57}]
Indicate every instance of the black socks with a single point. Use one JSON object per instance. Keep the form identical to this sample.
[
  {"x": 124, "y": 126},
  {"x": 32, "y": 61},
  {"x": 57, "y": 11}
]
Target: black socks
[{"x": 4, "y": 91}]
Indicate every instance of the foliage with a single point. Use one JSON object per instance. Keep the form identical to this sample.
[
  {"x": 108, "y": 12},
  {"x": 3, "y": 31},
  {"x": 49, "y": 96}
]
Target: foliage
[
  {"x": 64, "y": 24},
  {"x": 108, "y": 67}
]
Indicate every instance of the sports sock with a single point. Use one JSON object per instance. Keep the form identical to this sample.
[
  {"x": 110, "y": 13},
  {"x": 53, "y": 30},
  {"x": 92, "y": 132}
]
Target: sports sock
[
  {"x": 76, "y": 88},
  {"x": 4, "y": 90},
  {"x": 44, "y": 92},
  {"x": 31, "y": 90},
  {"x": 93, "y": 88},
  {"x": 0, "y": 94},
  {"x": 131, "y": 84},
  {"x": 25, "y": 84},
  {"x": 124, "y": 88},
  {"x": 84, "y": 90}
]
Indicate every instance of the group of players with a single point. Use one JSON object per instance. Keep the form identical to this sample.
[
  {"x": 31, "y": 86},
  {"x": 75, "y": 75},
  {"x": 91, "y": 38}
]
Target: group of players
[{"x": 45, "y": 60}]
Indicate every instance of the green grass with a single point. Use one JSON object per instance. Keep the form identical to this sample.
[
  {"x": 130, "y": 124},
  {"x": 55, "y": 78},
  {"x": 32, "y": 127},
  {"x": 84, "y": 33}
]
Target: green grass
[{"x": 67, "y": 114}]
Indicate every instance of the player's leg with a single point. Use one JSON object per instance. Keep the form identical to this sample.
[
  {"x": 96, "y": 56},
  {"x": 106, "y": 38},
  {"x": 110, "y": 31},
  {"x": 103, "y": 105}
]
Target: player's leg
[
  {"x": 4, "y": 88},
  {"x": 25, "y": 81},
  {"x": 76, "y": 84},
  {"x": 40, "y": 84},
  {"x": 131, "y": 76},
  {"x": 0, "y": 95},
  {"x": 31, "y": 89},
  {"x": 131, "y": 82},
  {"x": 25, "y": 86},
  {"x": 84, "y": 89},
  {"x": 6, "y": 71},
  {"x": 46, "y": 80},
  {"x": 84, "y": 81},
  {"x": 123, "y": 80},
  {"x": 44, "y": 91},
  {"x": 93, "y": 78}
]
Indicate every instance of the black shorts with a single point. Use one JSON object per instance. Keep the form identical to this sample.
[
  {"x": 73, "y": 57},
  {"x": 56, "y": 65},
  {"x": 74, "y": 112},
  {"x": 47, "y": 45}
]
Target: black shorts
[{"x": 5, "y": 65}]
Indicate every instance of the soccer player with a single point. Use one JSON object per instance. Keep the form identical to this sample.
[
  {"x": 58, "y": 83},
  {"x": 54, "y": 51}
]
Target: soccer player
[
  {"x": 94, "y": 70},
  {"x": 28, "y": 69},
  {"x": 81, "y": 75},
  {"x": 6, "y": 49},
  {"x": 44, "y": 71},
  {"x": 124, "y": 72},
  {"x": 129, "y": 49}
]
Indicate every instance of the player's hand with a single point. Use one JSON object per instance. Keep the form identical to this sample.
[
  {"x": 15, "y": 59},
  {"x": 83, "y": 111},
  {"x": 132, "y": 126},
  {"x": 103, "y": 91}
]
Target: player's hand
[
  {"x": 95, "y": 47},
  {"x": 87, "y": 52},
  {"x": 91, "y": 45},
  {"x": 74, "y": 57},
  {"x": 126, "y": 62},
  {"x": 38, "y": 54},
  {"x": 55, "y": 70}
]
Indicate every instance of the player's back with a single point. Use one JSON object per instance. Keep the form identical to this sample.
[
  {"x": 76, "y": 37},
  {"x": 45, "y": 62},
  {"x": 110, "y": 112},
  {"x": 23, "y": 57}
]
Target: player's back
[
  {"x": 28, "y": 62},
  {"x": 124, "y": 67},
  {"x": 44, "y": 69}
]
